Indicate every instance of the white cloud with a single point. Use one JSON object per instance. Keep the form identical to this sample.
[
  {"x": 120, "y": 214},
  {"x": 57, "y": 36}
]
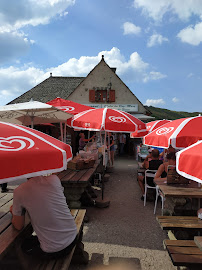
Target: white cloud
[
  {"x": 191, "y": 35},
  {"x": 153, "y": 76},
  {"x": 13, "y": 82},
  {"x": 175, "y": 100},
  {"x": 154, "y": 102},
  {"x": 135, "y": 69},
  {"x": 30, "y": 12},
  {"x": 12, "y": 45},
  {"x": 64, "y": 14},
  {"x": 190, "y": 75},
  {"x": 18, "y": 14},
  {"x": 130, "y": 28},
  {"x": 184, "y": 9},
  {"x": 156, "y": 39}
]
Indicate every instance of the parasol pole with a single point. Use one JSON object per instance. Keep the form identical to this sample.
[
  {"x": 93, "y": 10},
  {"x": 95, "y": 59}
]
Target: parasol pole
[
  {"x": 101, "y": 137},
  {"x": 32, "y": 121},
  {"x": 61, "y": 131},
  {"x": 65, "y": 133},
  {"x": 104, "y": 158},
  {"x": 109, "y": 149}
]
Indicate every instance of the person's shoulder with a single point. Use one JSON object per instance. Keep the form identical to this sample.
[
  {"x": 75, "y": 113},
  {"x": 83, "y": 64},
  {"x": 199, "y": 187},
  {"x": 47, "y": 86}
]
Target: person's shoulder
[{"x": 20, "y": 188}]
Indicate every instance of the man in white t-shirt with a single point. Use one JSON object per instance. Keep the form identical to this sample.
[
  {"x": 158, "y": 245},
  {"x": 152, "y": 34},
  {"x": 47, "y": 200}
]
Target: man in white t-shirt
[{"x": 43, "y": 198}]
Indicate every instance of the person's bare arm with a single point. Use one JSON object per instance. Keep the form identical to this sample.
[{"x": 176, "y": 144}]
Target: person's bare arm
[
  {"x": 87, "y": 140},
  {"x": 159, "y": 173},
  {"x": 145, "y": 164},
  {"x": 17, "y": 221}
]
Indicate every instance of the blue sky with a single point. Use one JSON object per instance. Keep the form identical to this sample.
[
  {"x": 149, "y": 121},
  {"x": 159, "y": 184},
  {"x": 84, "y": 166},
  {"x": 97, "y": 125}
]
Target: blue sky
[{"x": 155, "y": 45}]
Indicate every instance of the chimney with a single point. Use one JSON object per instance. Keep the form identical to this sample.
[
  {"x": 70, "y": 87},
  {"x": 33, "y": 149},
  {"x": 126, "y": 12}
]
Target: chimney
[
  {"x": 50, "y": 74},
  {"x": 102, "y": 57},
  {"x": 113, "y": 69}
]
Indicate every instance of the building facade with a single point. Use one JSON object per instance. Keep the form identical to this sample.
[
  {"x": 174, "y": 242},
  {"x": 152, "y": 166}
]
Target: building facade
[{"x": 100, "y": 88}]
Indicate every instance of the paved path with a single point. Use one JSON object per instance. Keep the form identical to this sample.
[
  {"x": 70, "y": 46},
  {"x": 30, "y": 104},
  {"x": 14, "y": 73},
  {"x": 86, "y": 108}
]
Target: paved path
[{"x": 126, "y": 229}]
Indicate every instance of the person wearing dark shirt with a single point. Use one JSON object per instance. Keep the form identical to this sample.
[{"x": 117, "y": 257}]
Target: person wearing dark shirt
[
  {"x": 153, "y": 164},
  {"x": 161, "y": 174}
]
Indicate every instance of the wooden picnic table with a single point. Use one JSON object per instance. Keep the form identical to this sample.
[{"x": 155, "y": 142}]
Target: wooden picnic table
[
  {"x": 191, "y": 190},
  {"x": 10, "y": 237},
  {"x": 179, "y": 222},
  {"x": 75, "y": 182},
  {"x": 178, "y": 191},
  {"x": 8, "y": 234},
  {"x": 184, "y": 253}
]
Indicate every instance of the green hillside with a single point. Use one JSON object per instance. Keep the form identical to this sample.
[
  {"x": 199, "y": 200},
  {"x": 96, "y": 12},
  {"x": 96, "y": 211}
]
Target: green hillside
[{"x": 159, "y": 113}]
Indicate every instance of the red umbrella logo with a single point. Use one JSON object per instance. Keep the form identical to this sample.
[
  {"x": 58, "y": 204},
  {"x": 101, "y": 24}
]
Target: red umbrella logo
[
  {"x": 117, "y": 119},
  {"x": 66, "y": 108},
  {"x": 164, "y": 130},
  {"x": 15, "y": 143}
]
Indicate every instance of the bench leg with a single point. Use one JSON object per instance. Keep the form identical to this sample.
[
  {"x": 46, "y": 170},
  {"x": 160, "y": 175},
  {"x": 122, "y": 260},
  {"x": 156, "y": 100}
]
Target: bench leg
[{"x": 80, "y": 256}]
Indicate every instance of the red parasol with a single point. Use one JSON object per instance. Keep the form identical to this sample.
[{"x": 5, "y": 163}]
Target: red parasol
[
  {"x": 179, "y": 133},
  {"x": 68, "y": 106},
  {"x": 26, "y": 152},
  {"x": 107, "y": 119},
  {"x": 156, "y": 124},
  {"x": 150, "y": 127},
  {"x": 188, "y": 162}
]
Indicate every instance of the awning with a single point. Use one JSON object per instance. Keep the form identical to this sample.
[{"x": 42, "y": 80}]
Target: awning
[{"x": 142, "y": 116}]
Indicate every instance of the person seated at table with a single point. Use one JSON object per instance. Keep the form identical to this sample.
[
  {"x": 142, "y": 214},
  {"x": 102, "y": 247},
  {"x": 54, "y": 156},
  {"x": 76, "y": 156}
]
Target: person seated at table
[
  {"x": 43, "y": 198},
  {"x": 161, "y": 174},
  {"x": 163, "y": 155},
  {"x": 82, "y": 140},
  {"x": 153, "y": 164}
]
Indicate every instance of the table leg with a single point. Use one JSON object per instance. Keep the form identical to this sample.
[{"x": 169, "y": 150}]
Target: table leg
[{"x": 73, "y": 194}]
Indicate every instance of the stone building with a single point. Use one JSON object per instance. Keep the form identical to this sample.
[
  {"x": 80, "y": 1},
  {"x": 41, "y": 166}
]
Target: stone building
[{"x": 100, "y": 88}]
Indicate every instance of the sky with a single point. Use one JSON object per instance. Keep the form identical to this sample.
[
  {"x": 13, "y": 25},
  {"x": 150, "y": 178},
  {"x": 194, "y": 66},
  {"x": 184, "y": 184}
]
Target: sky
[{"x": 156, "y": 46}]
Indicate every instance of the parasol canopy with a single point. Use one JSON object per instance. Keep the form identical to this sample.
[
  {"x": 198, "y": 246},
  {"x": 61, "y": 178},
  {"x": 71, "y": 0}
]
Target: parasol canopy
[
  {"x": 150, "y": 127},
  {"x": 106, "y": 119},
  {"x": 68, "y": 106},
  {"x": 32, "y": 113},
  {"x": 179, "y": 133},
  {"x": 188, "y": 162},
  {"x": 26, "y": 152}
]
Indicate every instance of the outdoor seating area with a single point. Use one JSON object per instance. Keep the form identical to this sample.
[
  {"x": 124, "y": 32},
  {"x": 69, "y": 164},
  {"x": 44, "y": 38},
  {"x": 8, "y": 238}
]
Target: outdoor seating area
[
  {"x": 11, "y": 240},
  {"x": 80, "y": 178}
]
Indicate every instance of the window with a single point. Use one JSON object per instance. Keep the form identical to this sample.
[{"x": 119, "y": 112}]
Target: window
[{"x": 102, "y": 95}]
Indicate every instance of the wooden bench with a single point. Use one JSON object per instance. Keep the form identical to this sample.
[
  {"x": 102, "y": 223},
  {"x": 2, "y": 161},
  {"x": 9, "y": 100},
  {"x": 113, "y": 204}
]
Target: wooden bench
[
  {"x": 179, "y": 222},
  {"x": 61, "y": 263},
  {"x": 184, "y": 253},
  {"x": 11, "y": 238}
]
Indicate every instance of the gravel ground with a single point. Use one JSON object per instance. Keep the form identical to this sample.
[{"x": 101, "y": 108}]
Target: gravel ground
[{"x": 126, "y": 230}]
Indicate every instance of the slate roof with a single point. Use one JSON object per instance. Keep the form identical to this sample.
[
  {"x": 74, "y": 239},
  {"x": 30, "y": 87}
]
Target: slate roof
[{"x": 49, "y": 89}]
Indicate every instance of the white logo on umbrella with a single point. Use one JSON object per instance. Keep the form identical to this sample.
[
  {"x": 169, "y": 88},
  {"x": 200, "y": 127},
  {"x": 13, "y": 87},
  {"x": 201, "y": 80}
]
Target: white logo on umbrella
[
  {"x": 164, "y": 130},
  {"x": 87, "y": 124},
  {"x": 66, "y": 108},
  {"x": 117, "y": 119},
  {"x": 23, "y": 141}
]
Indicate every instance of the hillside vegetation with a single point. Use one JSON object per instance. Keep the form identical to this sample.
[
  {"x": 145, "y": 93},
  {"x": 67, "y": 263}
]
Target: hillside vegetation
[{"x": 159, "y": 113}]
